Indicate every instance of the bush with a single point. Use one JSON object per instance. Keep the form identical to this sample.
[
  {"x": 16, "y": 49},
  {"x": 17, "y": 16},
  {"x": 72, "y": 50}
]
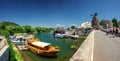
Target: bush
[
  {"x": 12, "y": 52},
  {"x": 14, "y": 55}
]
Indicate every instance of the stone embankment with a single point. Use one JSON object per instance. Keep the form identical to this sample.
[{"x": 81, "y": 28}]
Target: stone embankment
[{"x": 85, "y": 51}]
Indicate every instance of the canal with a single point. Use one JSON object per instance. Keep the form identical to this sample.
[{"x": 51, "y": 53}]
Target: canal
[{"x": 64, "y": 45}]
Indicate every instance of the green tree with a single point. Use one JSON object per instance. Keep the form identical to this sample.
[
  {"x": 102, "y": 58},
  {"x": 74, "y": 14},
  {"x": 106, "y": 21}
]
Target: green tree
[
  {"x": 5, "y": 33},
  {"x": 42, "y": 29},
  {"x": 18, "y": 29},
  {"x": 73, "y": 27},
  {"x": 115, "y": 23},
  {"x": 7, "y": 23},
  {"x": 38, "y": 29},
  {"x": 14, "y": 29},
  {"x": 104, "y": 23},
  {"x": 28, "y": 29},
  {"x": 10, "y": 29}
]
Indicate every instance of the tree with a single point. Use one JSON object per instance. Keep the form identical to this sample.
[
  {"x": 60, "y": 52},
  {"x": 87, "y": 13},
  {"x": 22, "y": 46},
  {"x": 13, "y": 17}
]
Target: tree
[
  {"x": 10, "y": 29},
  {"x": 95, "y": 20},
  {"x": 42, "y": 29},
  {"x": 7, "y": 23},
  {"x": 5, "y": 33},
  {"x": 38, "y": 29},
  {"x": 104, "y": 23},
  {"x": 73, "y": 27},
  {"x": 115, "y": 23},
  {"x": 18, "y": 29},
  {"x": 27, "y": 28}
]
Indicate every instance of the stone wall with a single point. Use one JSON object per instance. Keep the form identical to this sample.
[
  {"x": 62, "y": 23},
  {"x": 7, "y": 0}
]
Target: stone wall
[
  {"x": 4, "y": 50},
  {"x": 1, "y": 42},
  {"x": 85, "y": 51},
  {"x": 4, "y": 54}
]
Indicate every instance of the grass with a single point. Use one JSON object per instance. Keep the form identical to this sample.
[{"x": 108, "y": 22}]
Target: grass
[{"x": 14, "y": 54}]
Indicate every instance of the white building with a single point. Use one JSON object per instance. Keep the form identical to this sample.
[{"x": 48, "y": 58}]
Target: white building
[{"x": 86, "y": 25}]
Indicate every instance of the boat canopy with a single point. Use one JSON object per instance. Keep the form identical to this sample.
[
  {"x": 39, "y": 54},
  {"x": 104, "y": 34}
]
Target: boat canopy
[{"x": 41, "y": 44}]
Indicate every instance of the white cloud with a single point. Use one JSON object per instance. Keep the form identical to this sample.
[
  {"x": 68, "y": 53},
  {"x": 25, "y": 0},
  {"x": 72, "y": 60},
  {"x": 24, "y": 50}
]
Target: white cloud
[
  {"x": 59, "y": 25},
  {"x": 73, "y": 25}
]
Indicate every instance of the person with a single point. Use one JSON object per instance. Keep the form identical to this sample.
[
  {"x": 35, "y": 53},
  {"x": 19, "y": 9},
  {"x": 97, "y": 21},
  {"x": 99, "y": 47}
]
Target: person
[
  {"x": 85, "y": 32},
  {"x": 110, "y": 31},
  {"x": 116, "y": 32},
  {"x": 0, "y": 39},
  {"x": 113, "y": 31},
  {"x": 107, "y": 31}
]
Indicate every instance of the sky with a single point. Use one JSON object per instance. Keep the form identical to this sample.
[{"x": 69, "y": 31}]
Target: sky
[{"x": 49, "y": 13}]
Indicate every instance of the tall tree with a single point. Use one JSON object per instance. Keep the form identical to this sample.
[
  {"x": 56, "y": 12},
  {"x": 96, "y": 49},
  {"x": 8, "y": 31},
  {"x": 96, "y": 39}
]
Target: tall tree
[
  {"x": 115, "y": 23},
  {"x": 38, "y": 29}
]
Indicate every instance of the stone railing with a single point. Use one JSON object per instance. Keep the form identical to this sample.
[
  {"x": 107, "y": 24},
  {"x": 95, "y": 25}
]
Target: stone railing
[
  {"x": 2, "y": 42},
  {"x": 4, "y": 49},
  {"x": 85, "y": 51}
]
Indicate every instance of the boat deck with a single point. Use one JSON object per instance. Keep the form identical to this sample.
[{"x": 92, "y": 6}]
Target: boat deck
[{"x": 22, "y": 47}]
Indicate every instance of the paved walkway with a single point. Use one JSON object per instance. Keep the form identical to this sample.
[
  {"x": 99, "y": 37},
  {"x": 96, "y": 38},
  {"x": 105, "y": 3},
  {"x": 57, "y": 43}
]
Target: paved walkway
[{"x": 106, "y": 48}]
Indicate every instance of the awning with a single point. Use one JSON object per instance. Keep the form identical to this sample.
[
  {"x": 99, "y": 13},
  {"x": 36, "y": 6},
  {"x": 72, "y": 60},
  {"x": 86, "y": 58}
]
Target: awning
[{"x": 41, "y": 44}]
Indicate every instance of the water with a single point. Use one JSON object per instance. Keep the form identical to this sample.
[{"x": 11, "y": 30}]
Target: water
[{"x": 64, "y": 44}]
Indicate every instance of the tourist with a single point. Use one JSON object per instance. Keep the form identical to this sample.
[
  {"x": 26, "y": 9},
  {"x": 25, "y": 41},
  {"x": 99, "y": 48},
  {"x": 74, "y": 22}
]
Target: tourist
[
  {"x": 113, "y": 32},
  {"x": 0, "y": 39},
  {"x": 116, "y": 32},
  {"x": 107, "y": 31},
  {"x": 85, "y": 32}
]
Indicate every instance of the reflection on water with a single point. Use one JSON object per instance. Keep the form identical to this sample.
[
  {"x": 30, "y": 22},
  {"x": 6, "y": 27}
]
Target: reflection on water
[{"x": 64, "y": 44}]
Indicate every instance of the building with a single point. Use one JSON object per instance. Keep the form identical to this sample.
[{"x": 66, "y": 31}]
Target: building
[{"x": 86, "y": 25}]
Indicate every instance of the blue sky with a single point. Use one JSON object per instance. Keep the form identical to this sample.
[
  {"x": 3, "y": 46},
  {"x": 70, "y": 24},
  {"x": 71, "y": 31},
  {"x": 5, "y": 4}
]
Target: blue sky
[{"x": 48, "y": 13}]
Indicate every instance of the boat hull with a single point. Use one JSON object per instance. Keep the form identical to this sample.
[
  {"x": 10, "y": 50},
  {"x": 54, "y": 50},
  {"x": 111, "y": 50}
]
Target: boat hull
[
  {"x": 61, "y": 35},
  {"x": 42, "y": 52}
]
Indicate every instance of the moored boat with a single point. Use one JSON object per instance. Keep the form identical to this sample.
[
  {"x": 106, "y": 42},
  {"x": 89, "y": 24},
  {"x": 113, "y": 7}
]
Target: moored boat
[
  {"x": 61, "y": 35},
  {"x": 42, "y": 48},
  {"x": 60, "y": 32}
]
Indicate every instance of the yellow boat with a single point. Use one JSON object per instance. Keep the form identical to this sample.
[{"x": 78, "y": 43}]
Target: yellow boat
[{"x": 41, "y": 48}]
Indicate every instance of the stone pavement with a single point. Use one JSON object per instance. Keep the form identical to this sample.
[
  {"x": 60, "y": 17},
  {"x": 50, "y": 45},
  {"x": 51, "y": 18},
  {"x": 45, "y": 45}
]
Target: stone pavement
[{"x": 106, "y": 47}]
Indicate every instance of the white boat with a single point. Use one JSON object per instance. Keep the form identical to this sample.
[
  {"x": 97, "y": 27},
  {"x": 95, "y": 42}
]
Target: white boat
[
  {"x": 74, "y": 36},
  {"x": 61, "y": 35},
  {"x": 19, "y": 39}
]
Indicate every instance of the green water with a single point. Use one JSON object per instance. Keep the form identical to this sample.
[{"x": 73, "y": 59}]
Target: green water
[{"x": 64, "y": 44}]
